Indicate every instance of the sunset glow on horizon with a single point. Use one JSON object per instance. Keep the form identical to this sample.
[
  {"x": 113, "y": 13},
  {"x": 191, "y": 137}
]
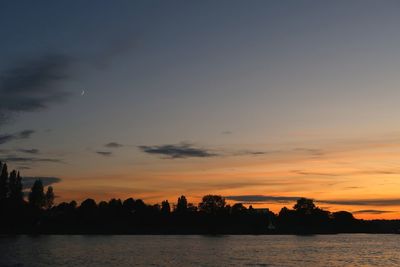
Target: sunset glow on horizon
[{"x": 260, "y": 103}]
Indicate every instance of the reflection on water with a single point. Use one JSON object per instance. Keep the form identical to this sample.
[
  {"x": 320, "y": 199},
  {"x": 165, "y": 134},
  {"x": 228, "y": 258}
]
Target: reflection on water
[{"x": 329, "y": 250}]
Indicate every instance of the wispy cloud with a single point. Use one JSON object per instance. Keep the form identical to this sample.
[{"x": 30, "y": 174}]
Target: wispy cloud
[
  {"x": 227, "y": 132},
  {"x": 262, "y": 199},
  {"x": 5, "y": 138},
  {"x": 23, "y": 168},
  {"x": 33, "y": 85},
  {"x": 247, "y": 153},
  {"x": 182, "y": 150},
  {"x": 372, "y": 211},
  {"x": 312, "y": 151},
  {"x": 188, "y": 150},
  {"x": 113, "y": 145},
  {"x": 364, "y": 202},
  {"x": 104, "y": 153},
  {"x": 29, "y": 151},
  {"x": 308, "y": 173},
  {"x": 18, "y": 159},
  {"x": 344, "y": 202},
  {"x": 347, "y": 173}
]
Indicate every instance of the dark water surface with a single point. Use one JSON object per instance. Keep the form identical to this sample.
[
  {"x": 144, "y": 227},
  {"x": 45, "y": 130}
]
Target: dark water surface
[{"x": 328, "y": 250}]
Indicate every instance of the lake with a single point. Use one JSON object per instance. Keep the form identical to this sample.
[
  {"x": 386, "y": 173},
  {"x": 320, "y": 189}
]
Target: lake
[{"x": 102, "y": 250}]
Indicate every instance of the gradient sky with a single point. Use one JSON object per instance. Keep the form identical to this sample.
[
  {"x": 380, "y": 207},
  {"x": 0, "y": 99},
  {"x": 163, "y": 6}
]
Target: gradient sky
[{"x": 260, "y": 101}]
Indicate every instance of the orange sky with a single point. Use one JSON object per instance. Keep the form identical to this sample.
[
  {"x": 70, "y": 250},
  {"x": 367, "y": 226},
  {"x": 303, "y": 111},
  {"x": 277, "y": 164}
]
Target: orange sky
[{"x": 331, "y": 172}]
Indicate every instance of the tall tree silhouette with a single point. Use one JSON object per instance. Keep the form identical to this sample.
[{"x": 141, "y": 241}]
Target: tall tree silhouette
[
  {"x": 181, "y": 206},
  {"x": 36, "y": 196},
  {"x": 15, "y": 187},
  {"x": 3, "y": 181},
  {"x": 165, "y": 207},
  {"x": 49, "y": 197}
]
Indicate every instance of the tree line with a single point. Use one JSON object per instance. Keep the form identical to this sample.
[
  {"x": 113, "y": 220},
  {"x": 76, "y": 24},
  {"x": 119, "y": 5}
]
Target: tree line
[
  {"x": 36, "y": 213},
  {"x": 11, "y": 193}
]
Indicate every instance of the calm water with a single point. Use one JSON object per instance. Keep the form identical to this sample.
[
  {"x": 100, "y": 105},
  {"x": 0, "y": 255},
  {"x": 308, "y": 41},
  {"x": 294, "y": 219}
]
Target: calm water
[{"x": 333, "y": 250}]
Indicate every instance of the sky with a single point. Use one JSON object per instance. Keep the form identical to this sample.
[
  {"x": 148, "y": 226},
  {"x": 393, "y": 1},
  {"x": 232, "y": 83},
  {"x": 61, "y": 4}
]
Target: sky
[{"x": 261, "y": 102}]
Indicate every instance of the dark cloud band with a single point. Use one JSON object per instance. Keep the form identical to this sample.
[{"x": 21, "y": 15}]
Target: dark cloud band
[
  {"x": 104, "y": 153},
  {"x": 5, "y": 138},
  {"x": 113, "y": 145},
  {"x": 29, "y": 159},
  {"x": 33, "y": 85},
  {"x": 29, "y": 151},
  {"x": 288, "y": 199},
  {"x": 372, "y": 211},
  {"x": 177, "y": 151}
]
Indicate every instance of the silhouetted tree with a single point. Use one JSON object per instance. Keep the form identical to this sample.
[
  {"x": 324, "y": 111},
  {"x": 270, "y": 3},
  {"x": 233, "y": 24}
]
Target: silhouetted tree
[
  {"x": 129, "y": 204},
  {"x": 285, "y": 212},
  {"x": 103, "y": 205},
  {"x": 238, "y": 208},
  {"x": 15, "y": 188},
  {"x": 181, "y": 206},
  {"x": 344, "y": 216},
  {"x": 156, "y": 207},
  {"x": 212, "y": 204},
  {"x": 19, "y": 195},
  {"x": 115, "y": 207},
  {"x": 49, "y": 197},
  {"x": 304, "y": 206},
  {"x": 165, "y": 207},
  {"x": 3, "y": 181},
  {"x": 37, "y": 197},
  {"x": 73, "y": 204},
  {"x": 139, "y": 206},
  {"x": 191, "y": 207},
  {"x": 115, "y": 204},
  {"x": 88, "y": 205}
]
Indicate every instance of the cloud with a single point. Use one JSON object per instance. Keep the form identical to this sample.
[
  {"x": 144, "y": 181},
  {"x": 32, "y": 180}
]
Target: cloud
[
  {"x": 262, "y": 199},
  {"x": 307, "y": 173},
  {"x": 371, "y": 211},
  {"x": 364, "y": 202},
  {"x": 311, "y": 151},
  {"x": 27, "y": 182},
  {"x": 33, "y": 85},
  {"x": 113, "y": 145},
  {"x": 308, "y": 151},
  {"x": 26, "y": 134},
  {"x": 182, "y": 150},
  {"x": 187, "y": 150},
  {"x": 5, "y": 138},
  {"x": 18, "y": 159},
  {"x": 104, "y": 153},
  {"x": 250, "y": 153},
  {"x": 29, "y": 151},
  {"x": 23, "y": 168},
  {"x": 353, "y": 187},
  {"x": 347, "y": 173},
  {"x": 345, "y": 202}
]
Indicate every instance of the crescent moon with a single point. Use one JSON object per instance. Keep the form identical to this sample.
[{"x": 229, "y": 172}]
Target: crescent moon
[{"x": 83, "y": 92}]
